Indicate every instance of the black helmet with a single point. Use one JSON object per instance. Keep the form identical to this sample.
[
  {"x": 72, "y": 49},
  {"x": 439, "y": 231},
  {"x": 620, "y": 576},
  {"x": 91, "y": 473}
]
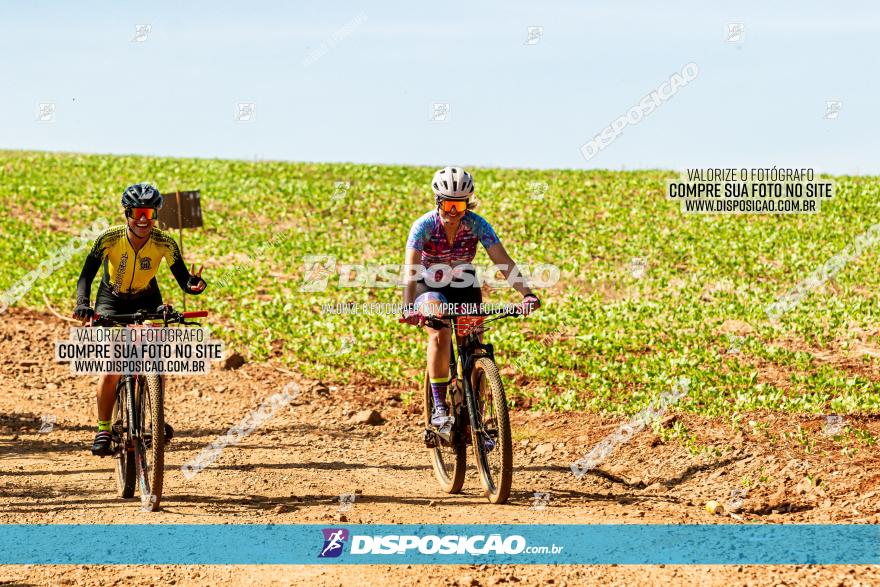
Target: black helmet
[{"x": 141, "y": 195}]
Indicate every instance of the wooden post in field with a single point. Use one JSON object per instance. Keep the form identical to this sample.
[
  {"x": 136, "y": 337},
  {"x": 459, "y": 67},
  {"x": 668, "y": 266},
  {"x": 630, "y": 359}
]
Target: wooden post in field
[
  {"x": 180, "y": 232},
  {"x": 183, "y": 211}
]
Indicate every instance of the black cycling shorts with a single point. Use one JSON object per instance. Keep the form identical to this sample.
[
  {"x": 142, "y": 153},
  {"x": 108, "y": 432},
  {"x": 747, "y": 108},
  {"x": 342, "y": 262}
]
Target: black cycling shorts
[
  {"x": 454, "y": 295},
  {"x": 109, "y": 304}
]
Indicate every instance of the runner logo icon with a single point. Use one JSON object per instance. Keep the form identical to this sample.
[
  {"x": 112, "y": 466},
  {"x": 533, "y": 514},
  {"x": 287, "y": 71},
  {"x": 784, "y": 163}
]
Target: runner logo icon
[{"x": 334, "y": 541}]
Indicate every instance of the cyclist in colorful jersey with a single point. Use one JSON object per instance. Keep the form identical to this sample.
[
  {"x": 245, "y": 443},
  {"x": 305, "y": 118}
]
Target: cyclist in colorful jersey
[
  {"x": 444, "y": 243},
  {"x": 130, "y": 254}
]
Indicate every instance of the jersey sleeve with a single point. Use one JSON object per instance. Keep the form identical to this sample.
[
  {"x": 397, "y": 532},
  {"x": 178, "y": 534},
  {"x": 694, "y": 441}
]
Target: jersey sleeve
[
  {"x": 419, "y": 233},
  {"x": 170, "y": 250},
  {"x": 484, "y": 231},
  {"x": 93, "y": 262},
  {"x": 104, "y": 241}
]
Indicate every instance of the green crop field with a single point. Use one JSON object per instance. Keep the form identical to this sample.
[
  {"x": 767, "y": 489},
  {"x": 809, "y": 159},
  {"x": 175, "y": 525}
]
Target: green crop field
[{"x": 609, "y": 338}]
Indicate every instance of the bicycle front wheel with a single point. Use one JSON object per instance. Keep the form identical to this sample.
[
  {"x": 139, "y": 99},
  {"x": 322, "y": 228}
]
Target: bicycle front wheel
[
  {"x": 125, "y": 469},
  {"x": 490, "y": 431},
  {"x": 150, "y": 447}
]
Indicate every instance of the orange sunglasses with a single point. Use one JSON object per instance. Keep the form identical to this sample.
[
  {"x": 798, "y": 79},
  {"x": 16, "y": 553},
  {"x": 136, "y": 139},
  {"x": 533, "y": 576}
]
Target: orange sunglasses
[
  {"x": 150, "y": 213},
  {"x": 448, "y": 205}
]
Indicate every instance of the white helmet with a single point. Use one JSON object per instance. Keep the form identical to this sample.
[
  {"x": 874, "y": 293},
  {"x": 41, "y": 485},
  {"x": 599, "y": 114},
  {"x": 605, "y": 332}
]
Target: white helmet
[{"x": 453, "y": 183}]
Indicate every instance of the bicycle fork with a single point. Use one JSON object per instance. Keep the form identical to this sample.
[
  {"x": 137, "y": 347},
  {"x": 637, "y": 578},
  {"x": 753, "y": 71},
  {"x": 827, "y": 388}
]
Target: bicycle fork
[{"x": 134, "y": 422}]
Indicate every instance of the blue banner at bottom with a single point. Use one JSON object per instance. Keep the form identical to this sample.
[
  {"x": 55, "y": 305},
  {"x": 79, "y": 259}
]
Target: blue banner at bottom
[{"x": 565, "y": 544}]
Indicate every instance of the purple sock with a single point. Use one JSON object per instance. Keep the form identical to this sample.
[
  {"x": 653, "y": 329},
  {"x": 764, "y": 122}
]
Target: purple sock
[{"x": 438, "y": 389}]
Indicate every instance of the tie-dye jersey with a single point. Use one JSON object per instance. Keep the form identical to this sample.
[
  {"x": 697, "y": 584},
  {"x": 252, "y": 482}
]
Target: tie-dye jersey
[{"x": 428, "y": 236}]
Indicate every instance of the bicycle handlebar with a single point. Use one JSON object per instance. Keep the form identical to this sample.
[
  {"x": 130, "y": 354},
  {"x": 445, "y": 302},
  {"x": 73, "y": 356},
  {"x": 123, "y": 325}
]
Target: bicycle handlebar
[
  {"x": 197, "y": 314},
  {"x": 440, "y": 321},
  {"x": 141, "y": 316}
]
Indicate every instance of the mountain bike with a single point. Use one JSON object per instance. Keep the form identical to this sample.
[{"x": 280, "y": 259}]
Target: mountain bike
[
  {"x": 138, "y": 421},
  {"x": 479, "y": 408}
]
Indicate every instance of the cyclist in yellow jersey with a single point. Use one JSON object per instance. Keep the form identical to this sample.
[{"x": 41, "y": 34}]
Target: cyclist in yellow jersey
[{"x": 130, "y": 254}]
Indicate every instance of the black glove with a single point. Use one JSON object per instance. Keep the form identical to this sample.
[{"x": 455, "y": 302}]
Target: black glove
[
  {"x": 83, "y": 312},
  {"x": 195, "y": 284}
]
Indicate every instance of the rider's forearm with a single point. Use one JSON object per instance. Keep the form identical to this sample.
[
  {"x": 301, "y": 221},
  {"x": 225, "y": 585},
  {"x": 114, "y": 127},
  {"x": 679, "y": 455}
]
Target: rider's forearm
[
  {"x": 411, "y": 271},
  {"x": 519, "y": 283},
  {"x": 86, "y": 277},
  {"x": 499, "y": 256},
  {"x": 409, "y": 291},
  {"x": 182, "y": 275}
]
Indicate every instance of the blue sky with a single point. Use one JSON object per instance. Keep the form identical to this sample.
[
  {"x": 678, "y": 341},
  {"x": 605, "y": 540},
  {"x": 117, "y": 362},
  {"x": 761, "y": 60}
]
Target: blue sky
[{"x": 368, "y": 97}]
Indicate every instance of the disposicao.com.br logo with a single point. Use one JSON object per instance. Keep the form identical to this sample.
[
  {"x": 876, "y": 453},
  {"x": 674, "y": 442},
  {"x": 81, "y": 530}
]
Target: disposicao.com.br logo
[
  {"x": 431, "y": 544},
  {"x": 334, "y": 542}
]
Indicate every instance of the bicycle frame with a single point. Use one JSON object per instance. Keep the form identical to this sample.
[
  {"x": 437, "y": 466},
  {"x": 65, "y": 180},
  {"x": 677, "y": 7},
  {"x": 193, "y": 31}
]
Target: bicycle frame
[
  {"x": 470, "y": 348},
  {"x": 486, "y": 426},
  {"x": 130, "y": 379},
  {"x": 139, "y": 447}
]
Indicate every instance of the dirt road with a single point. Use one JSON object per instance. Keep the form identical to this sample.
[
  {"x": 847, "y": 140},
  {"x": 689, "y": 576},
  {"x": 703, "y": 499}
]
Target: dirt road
[{"x": 295, "y": 467}]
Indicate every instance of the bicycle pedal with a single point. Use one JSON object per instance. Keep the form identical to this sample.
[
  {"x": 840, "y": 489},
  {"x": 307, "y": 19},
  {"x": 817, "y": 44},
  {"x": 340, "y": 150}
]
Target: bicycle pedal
[
  {"x": 446, "y": 439},
  {"x": 430, "y": 439}
]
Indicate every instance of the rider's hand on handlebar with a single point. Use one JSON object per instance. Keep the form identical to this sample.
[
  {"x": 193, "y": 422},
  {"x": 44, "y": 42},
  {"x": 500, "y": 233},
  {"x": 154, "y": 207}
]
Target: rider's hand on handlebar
[
  {"x": 530, "y": 303},
  {"x": 414, "y": 318},
  {"x": 84, "y": 312}
]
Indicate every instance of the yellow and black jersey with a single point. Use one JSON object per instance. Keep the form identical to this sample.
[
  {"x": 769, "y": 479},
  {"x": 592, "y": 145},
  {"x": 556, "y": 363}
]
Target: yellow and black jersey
[{"x": 130, "y": 273}]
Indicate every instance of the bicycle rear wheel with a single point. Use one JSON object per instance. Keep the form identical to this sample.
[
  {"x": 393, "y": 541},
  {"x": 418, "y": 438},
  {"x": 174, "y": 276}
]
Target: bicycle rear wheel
[
  {"x": 150, "y": 447},
  {"x": 449, "y": 459},
  {"x": 490, "y": 431},
  {"x": 125, "y": 468}
]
